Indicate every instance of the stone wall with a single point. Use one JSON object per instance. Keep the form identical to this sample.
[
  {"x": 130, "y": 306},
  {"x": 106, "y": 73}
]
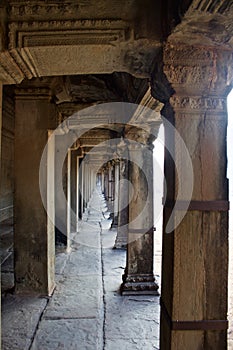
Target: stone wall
[{"x": 7, "y": 156}]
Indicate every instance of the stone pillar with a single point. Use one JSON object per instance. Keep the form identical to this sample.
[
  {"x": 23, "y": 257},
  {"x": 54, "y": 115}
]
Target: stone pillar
[
  {"x": 106, "y": 183},
  {"x": 102, "y": 180},
  {"x": 68, "y": 195},
  {"x": 195, "y": 253},
  {"x": 61, "y": 185},
  {"x": 139, "y": 277},
  {"x": 80, "y": 189},
  {"x": 116, "y": 193},
  {"x": 109, "y": 169},
  {"x": 123, "y": 206},
  {"x": 110, "y": 189},
  {"x": 78, "y": 155},
  {"x": 85, "y": 184},
  {"x": 33, "y": 233},
  {"x": 74, "y": 184}
]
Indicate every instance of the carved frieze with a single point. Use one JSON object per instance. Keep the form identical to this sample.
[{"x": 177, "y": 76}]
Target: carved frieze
[
  {"x": 188, "y": 54},
  {"x": 42, "y": 9},
  {"x": 199, "y": 103},
  {"x": 32, "y": 92},
  {"x": 188, "y": 74},
  {"x": 66, "y": 32}
]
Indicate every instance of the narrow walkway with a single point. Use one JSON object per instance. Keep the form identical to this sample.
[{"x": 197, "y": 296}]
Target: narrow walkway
[{"x": 86, "y": 310}]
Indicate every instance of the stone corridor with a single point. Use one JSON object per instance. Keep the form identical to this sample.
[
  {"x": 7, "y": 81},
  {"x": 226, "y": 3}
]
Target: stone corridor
[{"x": 86, "y": 310}]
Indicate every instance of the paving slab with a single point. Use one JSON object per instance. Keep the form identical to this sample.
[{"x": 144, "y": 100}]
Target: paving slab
[
  {"x": 76, "y": 297},
  {"x": 20, "y": 317},
  {"x": 61, "y": 260},
  {"x": 84, "y": 261},
  {"x": 69, "y": 335}
]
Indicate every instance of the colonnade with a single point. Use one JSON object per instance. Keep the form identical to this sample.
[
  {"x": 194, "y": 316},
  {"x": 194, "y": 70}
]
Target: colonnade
[{"x": 194, "y": 291}]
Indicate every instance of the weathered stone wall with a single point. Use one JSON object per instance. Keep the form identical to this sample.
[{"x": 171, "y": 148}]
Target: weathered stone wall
[{"x": 7, "y": 156}]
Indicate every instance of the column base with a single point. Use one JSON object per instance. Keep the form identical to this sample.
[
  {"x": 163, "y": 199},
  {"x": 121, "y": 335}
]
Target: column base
[
  {"x": 139, "y": 285},
  {"x": 114, "y": 222},
  {"x": 120, "y": 243}
]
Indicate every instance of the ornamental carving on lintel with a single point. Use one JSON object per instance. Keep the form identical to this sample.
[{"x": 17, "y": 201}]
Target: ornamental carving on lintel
[{"x": 67, "y": 32}]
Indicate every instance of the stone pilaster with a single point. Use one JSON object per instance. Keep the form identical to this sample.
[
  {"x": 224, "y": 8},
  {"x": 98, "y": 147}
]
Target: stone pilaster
[
  {"x": 195, "y": 252},
  {"x": 139, "y": 277},
  {"x": 33, "y": 232}
]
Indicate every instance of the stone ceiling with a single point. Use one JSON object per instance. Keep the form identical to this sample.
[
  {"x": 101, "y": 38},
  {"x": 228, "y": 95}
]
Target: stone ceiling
[{"x": 90, "y": 52}]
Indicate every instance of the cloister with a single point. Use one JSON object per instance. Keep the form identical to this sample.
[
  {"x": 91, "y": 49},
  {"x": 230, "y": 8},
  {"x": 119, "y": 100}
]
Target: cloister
[{"x": 85, "y": 86}]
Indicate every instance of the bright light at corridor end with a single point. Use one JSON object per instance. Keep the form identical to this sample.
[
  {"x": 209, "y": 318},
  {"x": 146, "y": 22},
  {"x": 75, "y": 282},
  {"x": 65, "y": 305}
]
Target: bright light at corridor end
[{"x": 115, "y": 113}]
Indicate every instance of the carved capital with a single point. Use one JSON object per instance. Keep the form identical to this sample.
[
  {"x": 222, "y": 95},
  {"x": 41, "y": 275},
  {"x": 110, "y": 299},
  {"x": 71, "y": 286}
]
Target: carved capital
[
  {"x": 195, "y": 71},
  {"x": 139, "y": 136}
]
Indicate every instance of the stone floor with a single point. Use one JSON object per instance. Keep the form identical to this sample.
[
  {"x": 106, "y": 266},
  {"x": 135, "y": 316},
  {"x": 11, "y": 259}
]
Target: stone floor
[{"x": 86, "y": 310}]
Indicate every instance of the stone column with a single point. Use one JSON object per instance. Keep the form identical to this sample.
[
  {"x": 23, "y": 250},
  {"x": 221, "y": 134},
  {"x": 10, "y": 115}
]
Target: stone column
[
  {"x": 85, "y": 184},
  {"x": 72, "y": 192},
  {"x": 109, "y": 169},
  {"x": 102, "y": 180},
  {"x": 195, "y": 252},
  {"x": 116, "y": 193},
  {"x": 78, "y": 155},
  {"x": 74, "y": 185},
  {"x": 106, "y": 183},
  {"x": 110, "y": 189},
  {"x": 139, "y": 277},
  {"x": 81, "y": 188},
  {"x": 33, "y": 233},
  {"x": 123, "y": 206},
  {"x": 68, "y": 195},
  {"x": 61, "y": 184}
]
